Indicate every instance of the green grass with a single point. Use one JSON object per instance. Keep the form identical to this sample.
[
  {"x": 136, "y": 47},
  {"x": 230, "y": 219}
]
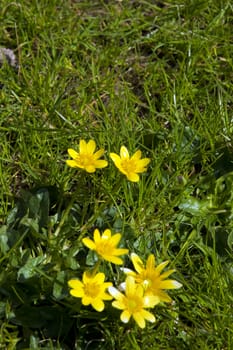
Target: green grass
[{"x": 151, "y": 77}]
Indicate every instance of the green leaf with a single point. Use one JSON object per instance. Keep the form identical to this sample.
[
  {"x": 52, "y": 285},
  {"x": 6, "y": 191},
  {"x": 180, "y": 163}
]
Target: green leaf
[
  {"x": 30, "y": 268},
  {"x": 58, "y": 286},
  {"x": 195, "y": 206},
  {"x": 4, "y": 247},
  {"x": 53, "y": 319},
  {"x": 230, "y": 239}
]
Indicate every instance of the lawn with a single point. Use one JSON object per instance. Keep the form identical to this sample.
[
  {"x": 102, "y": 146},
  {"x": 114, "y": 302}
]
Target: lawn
[{"x": 148, "y": 78}]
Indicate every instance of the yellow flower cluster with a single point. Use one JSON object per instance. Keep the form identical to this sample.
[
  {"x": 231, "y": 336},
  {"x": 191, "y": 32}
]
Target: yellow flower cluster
[
  {"x": 92, "y": 288},
  {"x": 89, "y": 160},
  {"x": 105, "y": 246},
  {"x": 142, "y": 289}
]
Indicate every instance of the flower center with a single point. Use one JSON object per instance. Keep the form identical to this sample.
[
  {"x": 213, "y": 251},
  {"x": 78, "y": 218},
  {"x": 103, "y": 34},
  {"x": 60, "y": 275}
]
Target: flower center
[
  {"x": 134, "y": 303},
  {"x": 129, "y": 165},
  {"x": 91, "y": 290},
  {"x": 147, "y": 283},
  {"x": 149, "y": 280},
  {"x": 85, "y": 159},
  {"x": 104, "y": 248}
]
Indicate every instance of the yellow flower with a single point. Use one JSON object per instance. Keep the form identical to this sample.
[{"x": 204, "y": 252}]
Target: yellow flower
[
  {"x": 130, "y": 166},
  {"x": 86, "y": 158},
  {"x": 133, "y": 302},
  {"x": 91, "y": 290},
  {"x": 106, "y": 246},
  {"x": 150, "y": 278}
]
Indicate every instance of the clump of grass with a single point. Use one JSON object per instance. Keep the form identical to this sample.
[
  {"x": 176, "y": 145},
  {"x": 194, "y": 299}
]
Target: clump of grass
[{"x": 154, "y": 77}]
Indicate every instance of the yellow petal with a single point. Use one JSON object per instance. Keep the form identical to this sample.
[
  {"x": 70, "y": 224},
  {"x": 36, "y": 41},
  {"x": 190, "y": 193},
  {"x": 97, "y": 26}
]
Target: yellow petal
[
  {"x": 148, "y": 315},
  {"x": 139, "y": 291},
  {"x": 137, "y": 263},
  {"x": 72, "y": 153},
  {"x": 86, "y": 277},
  {"x": 97, "y": 237},
  {"x": 106, "y": 296},
  {"x": 150, "y": 300},
  {"x": 82, "y": 147},
  {"x": 99, "y": 278},
  {"x": 107, "y": 285},
  {"x": 98, "y": 304},
  {"x": 124, "y": 153},
  {"x": 125, "y": 316},
  {"x": 161, "y": 266},
  {"x": 115, "y": 293},
  {"x": 164, "y": 297},
  {"x": 75, "y": 283},
  {"x": 137, "y": 155},
  {"x": 98, "y": 154},
  {"x": 139, "y": 319},
  {"x": 101, "y": 164},
  {"x": 118, "y": 304},
  {"x": 91, "y": 146},
  {"x": 130, "y": 285},
  {"x": 150, "y": 264},
  {"x": 89, "y": 243},
  {"x": 74, "y": 164},
  {"x": 142, "y": 164},
  {"x": 113, "y": 259},
  {"x": 116, "y": 159},
  {"x": 122, "y": 170},
  {"x": 90, "y": 168},
  {"x": 170, "y": 284},
  {"x": 118, "y": 162},
  {"x": 166, "y": 274},
  {"x": 115, "y": 239},
  {"x": 133, "y": 177},
  {"x": 106, "y": 234},
  {"x": 120, "y": 251},
  {"x": 86, "y": 300},
  {"x": 78, "y": 293}
]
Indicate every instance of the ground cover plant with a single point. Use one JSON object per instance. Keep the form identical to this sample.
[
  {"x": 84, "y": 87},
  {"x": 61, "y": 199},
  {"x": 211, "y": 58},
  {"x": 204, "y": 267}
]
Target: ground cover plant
[{"x": 116, "y": 172}]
